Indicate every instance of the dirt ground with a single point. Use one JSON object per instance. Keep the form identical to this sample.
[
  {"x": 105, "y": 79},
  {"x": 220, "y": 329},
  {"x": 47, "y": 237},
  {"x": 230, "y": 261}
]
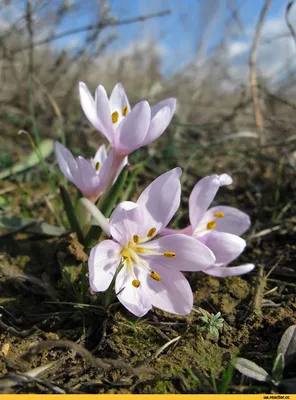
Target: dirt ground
[{"x": 56, "y": 336}]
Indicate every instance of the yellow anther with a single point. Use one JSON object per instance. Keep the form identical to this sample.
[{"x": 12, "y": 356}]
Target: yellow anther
[
  {"x": 136, "y": 283},
  {"x": 124, "y": 111},
  {"x": 115, "y": 117},
  {"x": 154, "y": 275},
  {"x": 139, "y": 250},
  {"x": 136, "y": 238},
  {"x": 219, "y": 214},
  {"x": 169, "y": 254},
  {"x": 151, "y": 232},
  {"x": 98, "y": 166},
  {"x": 211, "y": 225}
]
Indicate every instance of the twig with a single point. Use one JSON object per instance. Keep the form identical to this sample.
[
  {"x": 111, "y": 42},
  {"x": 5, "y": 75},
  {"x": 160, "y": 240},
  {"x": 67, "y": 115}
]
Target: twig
[
  {"x": 98, "y": 26},
  {"x": 252, "y": 73},
  {"x": 11, "y": 380},
  {"x": 256, "y": 303},
  {"x": 85, "y": 354},
  {"x": 15, "y": 332},
  {"x": 290, "y": 26}
]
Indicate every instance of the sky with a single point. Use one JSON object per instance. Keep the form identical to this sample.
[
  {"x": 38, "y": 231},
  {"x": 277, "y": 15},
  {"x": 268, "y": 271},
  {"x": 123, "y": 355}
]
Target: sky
[{"x": 179, "y": 36}]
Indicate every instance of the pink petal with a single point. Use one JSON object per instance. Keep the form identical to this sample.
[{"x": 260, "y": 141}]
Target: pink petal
[
  {"x": 225, "y": 246},
  {"x": 170, "y": 103},
  {"x": 134, "y": 299},
  {"x": 160, "y": 200},
  {"x": 172, "y": 294},
  {"x": 102, "y": 263},
  {"x": 158, "y": 125},
  {"x": 190, "y": 254},
  {"x": 111, "y": 167},
  {"x": 223, "y": 272},
  {"x": 104, "y": 113},
  {"x": 89, "y": 107},
  {"x": 106, "y": 169},
  {"x": 118, "y": 99},
  {"x": 86, "y": 178},
  {"x": 234, "y": 221},
  {"x": 132, "y": 130},
  {"x": 67, "y": 162},
  {"x": 169, "y": 231},
  {"x": 125, "y": 222},
  {"x": 201, "y": 197}
]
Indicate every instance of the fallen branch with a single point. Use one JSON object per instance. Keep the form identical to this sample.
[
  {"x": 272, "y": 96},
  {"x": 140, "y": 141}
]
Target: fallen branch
[{"x": 105, "y": 364}]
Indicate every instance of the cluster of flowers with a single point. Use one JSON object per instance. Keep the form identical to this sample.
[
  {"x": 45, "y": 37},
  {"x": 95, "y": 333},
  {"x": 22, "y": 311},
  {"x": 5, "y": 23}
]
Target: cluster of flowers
[{"x": 145, "y": 257}]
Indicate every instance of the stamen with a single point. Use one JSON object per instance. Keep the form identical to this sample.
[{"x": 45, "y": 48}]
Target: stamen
[
  {"x": 154, "y": 275},
  {"x": 98, "y": 166},
  {"x": 125, "y": 111},
  {"x": 211, "y": 225},
  {"x": 115, "y": 117},
  {"x": 136, "y": 283},
  {"x": 125, "y": 253},
  {"x": 169, "y": 254},
  {"x": 151, "y": 232},
  {"x": 219, "y": 214},
  {"x": 136, "y": 238}
]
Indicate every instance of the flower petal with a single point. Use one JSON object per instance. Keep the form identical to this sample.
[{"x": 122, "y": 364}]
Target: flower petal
[
  {"x": 172, "y": 294},
  {"x": 225, "y": 179},
  {"x": 89, "y": 107},
  {"x": 134, "y": 299},
  {"x": 67, "y": 162},
  {"x": 132, "y": 130},
  {"x": 223, "y": 272},
  {"x": 225, "y": 246},
  {"x": 234, "y": 220},
  {"x": 118, "y": 99},
  {"x": 102, "y": 263},
  {"x": 104, "y": 113},
  {"x": 160, "y": 200},
  {"x": 125, "y": 222},
  {"x": 158, "y": 125},
  {"x": 190, "y": 254},
  {"x": 169, "y": 231},
  {"x": 201, "y": 197},
  {"x": 111, "y": 167},
  {"x": 86, "y": 178},
  {"x": 100, "y": 155},
  {"x": 170, "y": 103}
]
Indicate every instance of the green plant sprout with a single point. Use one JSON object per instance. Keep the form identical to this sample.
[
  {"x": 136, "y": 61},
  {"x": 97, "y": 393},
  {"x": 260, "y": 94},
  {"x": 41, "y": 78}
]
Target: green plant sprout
[{"x": 212, "y": 323}]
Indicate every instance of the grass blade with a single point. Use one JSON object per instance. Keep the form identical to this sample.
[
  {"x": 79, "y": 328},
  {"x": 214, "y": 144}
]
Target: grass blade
[
  {"x": 45, "y": 149},
  {"x": 69, "y": 209}
]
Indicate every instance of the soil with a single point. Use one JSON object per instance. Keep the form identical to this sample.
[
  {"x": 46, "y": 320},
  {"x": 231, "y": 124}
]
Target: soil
[{"x": 58, "y": 337}]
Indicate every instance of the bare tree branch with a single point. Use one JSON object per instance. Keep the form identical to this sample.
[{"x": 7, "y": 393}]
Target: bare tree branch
[
  {"x": 290, "y": 26},
  {"x": 252, "y": 73},
  {"x": 99, "y": 26}
]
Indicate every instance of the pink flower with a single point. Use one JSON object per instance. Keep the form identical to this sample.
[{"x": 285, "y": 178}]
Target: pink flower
[
  {"x": 126, "y": 129},
  {"x": 90, "y": 177},
  {"x": 150, "y": 273},
  {"x": 219, "y": 228}
]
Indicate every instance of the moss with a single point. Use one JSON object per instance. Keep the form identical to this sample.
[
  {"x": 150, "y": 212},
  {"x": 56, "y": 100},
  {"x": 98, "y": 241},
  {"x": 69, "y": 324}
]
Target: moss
[{"x": 237, "y": 288}]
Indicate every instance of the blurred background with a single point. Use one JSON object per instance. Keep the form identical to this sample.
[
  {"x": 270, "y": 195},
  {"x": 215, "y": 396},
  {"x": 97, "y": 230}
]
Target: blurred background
[{"x": 195, "y": 50}]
